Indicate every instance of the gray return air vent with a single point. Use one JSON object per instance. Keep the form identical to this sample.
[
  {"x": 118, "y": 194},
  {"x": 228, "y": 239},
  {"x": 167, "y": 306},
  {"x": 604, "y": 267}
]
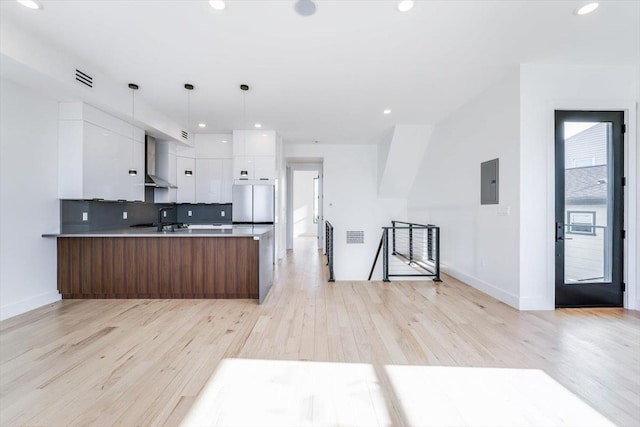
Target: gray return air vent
[
  {"x": 84, "y": 78},
  {"x": 355, "y": 237},
  {"x": 185, "y": 134}
]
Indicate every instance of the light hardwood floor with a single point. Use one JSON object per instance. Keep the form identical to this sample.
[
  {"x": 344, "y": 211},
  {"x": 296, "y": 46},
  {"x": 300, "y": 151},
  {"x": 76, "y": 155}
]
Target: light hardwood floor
[{"x": 155, "y": 362}]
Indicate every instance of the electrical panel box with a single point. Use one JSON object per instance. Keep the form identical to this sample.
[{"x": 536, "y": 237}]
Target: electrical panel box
[{"x": 489, "y": 182}]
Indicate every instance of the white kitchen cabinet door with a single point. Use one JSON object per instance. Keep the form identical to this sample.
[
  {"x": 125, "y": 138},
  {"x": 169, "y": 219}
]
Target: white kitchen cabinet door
[
  {"x": 260, "y": 143},
  {"x": 209, "y": 180},
  {"x": 100, "y": 156},
  {"x": 243, "y": 163},
  {"x": 265, "y": 167},
  {"x": 98, "y": 152},
  {"x": 186, "y": 183},
  {"x": 239, "y": 147},
  {"x": 136, "y": 182},
  {"x": 213, "y": 146},
  {"x": 227, "y": 180}
]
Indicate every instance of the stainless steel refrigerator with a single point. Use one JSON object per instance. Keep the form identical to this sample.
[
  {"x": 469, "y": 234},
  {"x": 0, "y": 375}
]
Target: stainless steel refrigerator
[{"x": 253, "y": 203}]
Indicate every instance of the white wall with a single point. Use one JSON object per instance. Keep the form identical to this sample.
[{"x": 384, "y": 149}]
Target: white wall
[
  {"x": 543, "y": 89},
  {"x": 350, "y": 201},
  {"x": 303, "y": 224},
  {"x": 479, "y": 243},
  {"x": 402, "y": 160},
  {"x": 28, "y": 199}
]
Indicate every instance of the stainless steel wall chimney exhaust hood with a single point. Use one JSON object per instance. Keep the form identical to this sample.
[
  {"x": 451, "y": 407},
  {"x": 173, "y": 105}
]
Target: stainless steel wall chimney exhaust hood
[{"x": 150, "y": 178}]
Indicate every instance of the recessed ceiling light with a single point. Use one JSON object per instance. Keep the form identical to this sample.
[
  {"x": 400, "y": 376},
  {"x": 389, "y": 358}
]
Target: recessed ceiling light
[
  {"x": 257, "y": 125},
  {"x": 224, "y": 141},
  {"x": 31, "y": 4},
  {"x": 305, "y": 7},
  {"x": 387, "y": 111},
  {"x": 264, "y": 134},
  {"x": 587, "y": 8},
  {"x": 202, "y": 125},
  {"x": 218, "y": 4},
  {"x": 405, "y": 5}
]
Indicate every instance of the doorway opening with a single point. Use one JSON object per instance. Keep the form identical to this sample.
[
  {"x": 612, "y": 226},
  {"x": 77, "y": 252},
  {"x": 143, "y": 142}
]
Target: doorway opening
[
  {"x": 589, "y": 208},
  {"x": 304, "y": 203}
]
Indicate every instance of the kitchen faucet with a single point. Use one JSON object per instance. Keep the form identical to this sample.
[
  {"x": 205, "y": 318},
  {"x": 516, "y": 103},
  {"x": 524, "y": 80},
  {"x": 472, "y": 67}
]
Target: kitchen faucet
[{"x": 160, "y": 215}]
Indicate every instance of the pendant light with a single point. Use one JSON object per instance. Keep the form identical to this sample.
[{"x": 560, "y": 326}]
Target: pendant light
[{"x": 133, "y": 171}]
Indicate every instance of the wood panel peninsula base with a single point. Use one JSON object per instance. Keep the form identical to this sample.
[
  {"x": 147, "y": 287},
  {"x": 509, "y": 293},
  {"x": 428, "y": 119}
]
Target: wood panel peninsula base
[{"x": 165, "y": 265}]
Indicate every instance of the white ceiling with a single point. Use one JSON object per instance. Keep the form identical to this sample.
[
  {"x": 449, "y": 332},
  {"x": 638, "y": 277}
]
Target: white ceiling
[{"x": 327, "y": 77}]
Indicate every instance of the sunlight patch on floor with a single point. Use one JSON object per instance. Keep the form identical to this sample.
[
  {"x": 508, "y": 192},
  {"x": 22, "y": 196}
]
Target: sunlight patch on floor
[
  {"x": 464, "y": 396},
  {"x": 245, "y": 392}
]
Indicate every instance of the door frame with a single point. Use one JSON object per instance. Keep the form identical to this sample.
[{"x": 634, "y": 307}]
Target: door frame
[
  {"x": 304, "y": 165},
  {"x": 631, "y": 276},
  {"x": 592, "y": 294}
]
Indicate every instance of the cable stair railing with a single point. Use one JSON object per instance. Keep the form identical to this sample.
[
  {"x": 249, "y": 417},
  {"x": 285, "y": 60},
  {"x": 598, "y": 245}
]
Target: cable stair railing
[{"x": 409, "y": 250}]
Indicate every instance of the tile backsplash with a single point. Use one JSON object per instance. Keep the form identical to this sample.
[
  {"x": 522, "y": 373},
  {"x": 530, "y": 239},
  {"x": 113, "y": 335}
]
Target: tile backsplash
[{"x": 92, "y": 215}]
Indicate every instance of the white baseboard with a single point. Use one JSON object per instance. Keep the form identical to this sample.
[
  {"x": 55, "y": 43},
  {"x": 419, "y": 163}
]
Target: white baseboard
[
  {"x": 535, "y": 304},
  {"x": 483, "y": 286},
  {"x": 19, "y": 307}
]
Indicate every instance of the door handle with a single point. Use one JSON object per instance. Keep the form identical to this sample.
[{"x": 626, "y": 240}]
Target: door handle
[{"x": 559, "y": 231}]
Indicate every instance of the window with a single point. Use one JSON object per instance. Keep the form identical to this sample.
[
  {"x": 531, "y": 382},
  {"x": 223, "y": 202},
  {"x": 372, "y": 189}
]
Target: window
[
  {"x": 582, "y": 222},
  {"x": 584, "y": 162}
]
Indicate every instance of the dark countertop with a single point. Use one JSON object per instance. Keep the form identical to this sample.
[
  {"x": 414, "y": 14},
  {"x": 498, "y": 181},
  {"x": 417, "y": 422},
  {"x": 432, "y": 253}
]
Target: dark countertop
[{"x": 228, "y": 231}]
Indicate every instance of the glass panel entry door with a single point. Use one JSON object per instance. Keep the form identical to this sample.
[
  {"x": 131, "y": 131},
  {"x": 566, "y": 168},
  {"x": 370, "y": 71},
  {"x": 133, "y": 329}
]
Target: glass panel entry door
[{"x": 589, "y": 208}]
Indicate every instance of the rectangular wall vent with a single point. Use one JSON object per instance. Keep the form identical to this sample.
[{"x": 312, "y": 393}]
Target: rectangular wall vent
[
  {"x": 355, "y": 237},
  {"x": 84, "y": 78},
  {"x": 185, "y": 134}
]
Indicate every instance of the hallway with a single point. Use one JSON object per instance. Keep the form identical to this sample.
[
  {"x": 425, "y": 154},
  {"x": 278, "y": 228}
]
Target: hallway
[{"x": 403, "y": 353}]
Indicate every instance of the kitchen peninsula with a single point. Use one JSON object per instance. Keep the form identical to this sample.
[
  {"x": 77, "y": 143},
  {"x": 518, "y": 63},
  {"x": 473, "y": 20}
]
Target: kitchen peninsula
[{"x": 232, "y": 262}]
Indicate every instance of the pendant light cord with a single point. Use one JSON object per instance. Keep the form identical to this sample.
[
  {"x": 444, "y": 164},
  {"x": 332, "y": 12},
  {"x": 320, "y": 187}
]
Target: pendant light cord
[
  {"x": 133, "y": 118},
  {"x": 188, "y": 108}
]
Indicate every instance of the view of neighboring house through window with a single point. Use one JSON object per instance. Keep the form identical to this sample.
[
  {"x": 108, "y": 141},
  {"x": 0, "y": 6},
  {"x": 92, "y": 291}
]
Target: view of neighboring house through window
[
  {"x": 587, "y": 195},
  {"x": 581, "y": 222}
]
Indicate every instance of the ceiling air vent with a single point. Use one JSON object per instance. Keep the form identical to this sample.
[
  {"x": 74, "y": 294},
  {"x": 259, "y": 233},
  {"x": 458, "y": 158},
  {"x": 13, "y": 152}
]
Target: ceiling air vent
[
  {"x": 84, "y": 78},
  {"x": 185, "y": 134}
]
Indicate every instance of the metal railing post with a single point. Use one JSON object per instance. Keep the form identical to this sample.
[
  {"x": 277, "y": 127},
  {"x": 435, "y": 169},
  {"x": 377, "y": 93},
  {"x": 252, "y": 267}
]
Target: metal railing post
[
  {"x": 437, "y": 277},
  {"x": 393, "y": 223},
  {"x": 410, "y": 243},
  {"x": 385, "y": 256}
]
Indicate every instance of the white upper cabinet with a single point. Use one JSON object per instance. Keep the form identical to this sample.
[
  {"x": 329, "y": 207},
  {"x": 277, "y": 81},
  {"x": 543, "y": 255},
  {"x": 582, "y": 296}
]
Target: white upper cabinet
[
  {"x": 96, "y": 153},
  {"x": 264, "y": 167},
  {"x": 211, "y": 165},
  {"x": 243, "y": 167},
  {"x": 213, "y": 146},
  {"x": 254, "y": 152},
  {"x": 209, "y": 180},
  {"x": 254, "y": 143},
  {"x": 227, "y": 180},
  {"x": 186, "y": 180},
  {"x": 260, "y": 143}
]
